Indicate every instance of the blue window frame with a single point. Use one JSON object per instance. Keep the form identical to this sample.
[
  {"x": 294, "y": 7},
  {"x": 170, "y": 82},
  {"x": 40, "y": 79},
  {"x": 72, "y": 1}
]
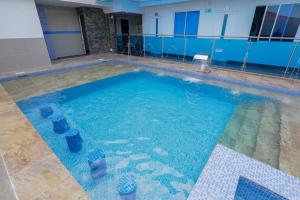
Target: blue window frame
[
  {"x": 186, "y": 23},
  {"x": 224, "y": 25},
  {"x": 156, "y": 27}
]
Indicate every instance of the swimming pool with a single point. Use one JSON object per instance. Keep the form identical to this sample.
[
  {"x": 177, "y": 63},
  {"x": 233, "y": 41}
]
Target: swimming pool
[{"x": 158, "y": 128}]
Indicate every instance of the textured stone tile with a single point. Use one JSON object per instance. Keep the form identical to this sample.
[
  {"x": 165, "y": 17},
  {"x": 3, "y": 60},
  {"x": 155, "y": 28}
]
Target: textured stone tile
[
  {"x": 35, "y": 170},
  {"x": 290, "y": 140},
  {"x": 34, "y": 86},
  {"x": 6, "y": 190},
  {"x": 46, "y": 178}
]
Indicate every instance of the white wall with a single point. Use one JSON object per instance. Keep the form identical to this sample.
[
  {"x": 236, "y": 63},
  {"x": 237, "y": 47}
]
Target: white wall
[
  {"x": 19, "y": 19},
  {"x": 240, "y": 16}
]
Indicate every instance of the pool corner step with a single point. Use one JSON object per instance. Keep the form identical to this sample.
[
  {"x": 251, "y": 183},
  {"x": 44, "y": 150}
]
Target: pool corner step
[
  {"x": 247, "y": 138},
  {"x": 241, "y": 132},
  {"x": 268, "y": 139},
  {"x": 231, "y": 132}
]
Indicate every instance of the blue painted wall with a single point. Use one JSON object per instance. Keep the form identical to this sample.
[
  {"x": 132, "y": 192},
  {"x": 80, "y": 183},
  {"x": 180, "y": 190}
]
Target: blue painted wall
[{"x": 271, "y": 53}]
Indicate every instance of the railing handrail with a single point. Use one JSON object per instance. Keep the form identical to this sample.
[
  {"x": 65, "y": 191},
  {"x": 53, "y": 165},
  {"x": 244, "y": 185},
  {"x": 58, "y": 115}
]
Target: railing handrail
[
  {"x": 294, "y": 42},
  {"x": 212, "y": 36}
]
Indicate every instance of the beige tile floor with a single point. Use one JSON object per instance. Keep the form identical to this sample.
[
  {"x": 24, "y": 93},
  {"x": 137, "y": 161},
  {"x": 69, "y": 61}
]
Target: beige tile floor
[
  {"x": 35, "y": 171},
  {"x": 38, "y": 174}
]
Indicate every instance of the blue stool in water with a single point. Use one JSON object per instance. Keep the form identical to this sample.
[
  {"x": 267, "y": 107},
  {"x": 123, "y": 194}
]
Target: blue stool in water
[
  {"x": 46, "y": 111},
  {"x": 60, "y": 124},
  {"x": 127, "y": 187},
  {"x": 74, "y": 140},
  {"x": 97, "y": 163}
]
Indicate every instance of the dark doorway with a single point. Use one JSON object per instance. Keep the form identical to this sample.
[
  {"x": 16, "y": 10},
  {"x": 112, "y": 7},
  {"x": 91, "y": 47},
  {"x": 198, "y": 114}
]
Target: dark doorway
[
  {"x": 124, "y": 26},
  {"x": 125, "y": 33}
]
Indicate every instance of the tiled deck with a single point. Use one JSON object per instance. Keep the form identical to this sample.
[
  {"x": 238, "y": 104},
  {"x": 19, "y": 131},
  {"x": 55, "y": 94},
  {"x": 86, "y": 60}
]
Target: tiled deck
[
  {"x": 35, "y": 171},
  {"x": 38, "y": 174},
  {"x": 220, "y": 176}
]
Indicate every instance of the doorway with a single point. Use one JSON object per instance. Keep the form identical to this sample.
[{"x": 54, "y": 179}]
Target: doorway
[{"x": 125, "y": 33}]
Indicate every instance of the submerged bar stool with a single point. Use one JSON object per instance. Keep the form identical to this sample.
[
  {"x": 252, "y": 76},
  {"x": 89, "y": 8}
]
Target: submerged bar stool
[
  {"x": 74, "y": 140},
  {"x": 97, "y": 163},
  {"x": 60, "y": 124},
  {"x": 127, "y": 187},
  {"x": 46, "y": 111}
]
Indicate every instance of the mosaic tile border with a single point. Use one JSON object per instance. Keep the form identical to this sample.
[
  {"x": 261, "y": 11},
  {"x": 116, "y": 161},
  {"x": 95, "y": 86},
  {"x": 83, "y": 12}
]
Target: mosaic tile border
[{"x": 221, "y": 173}]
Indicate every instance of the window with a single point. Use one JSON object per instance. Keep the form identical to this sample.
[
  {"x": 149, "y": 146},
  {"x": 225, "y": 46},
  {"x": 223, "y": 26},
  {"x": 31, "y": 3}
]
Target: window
[
  {"x": 276, "y": 22},
  {"x": 282, "y": 19},
  {"x": 269, "y": 21},
  {"x": 186, "y": 23},
  {"x": 293, "y": 22},
  {"x": 179, "y": 26},
  {"x": 257, "y": 21}
]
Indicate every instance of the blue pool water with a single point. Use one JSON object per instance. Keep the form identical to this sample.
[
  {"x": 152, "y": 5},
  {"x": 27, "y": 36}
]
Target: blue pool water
[{"x": 157, "y": 128}]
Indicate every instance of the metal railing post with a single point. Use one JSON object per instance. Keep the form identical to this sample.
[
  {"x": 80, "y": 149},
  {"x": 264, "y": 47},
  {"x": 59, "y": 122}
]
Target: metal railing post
[
  {"x": 212, "y": 50},
  {"x": 290, "y": 60},
  {"x": 246, "y": 56},
  {"x": 184, "y": 51},
  {"x": 128, "y": 45},
  {"x": 162, "y": 46},
  {"x": 144, "y": 46}
]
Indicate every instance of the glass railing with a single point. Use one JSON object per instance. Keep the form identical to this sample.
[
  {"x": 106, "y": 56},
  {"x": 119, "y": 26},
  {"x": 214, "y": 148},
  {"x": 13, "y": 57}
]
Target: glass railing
[{"x": 272, "y": 56}]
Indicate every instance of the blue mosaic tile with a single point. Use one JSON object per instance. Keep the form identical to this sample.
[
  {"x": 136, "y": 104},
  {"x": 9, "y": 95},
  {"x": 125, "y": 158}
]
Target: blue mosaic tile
[
  {"x": 249, "y": 190},
  {"x": 220, "y": 177}
]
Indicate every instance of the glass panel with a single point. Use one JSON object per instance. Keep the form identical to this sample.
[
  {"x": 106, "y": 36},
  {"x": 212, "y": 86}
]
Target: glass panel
[
  {"x": 293, "y": 70},
  {"x": 153, "y": 46},
  {"x": 269, "y": 57},
  {"x": 173, "y": 48},
  {"x": 192, "y": 22},
  {"x": 269, "y": 22},
  {"x": 136, "y": 45},
  {"x": 257, "y": 21},
  {"x": 293, "y": 22},
  {"x": 179, "y": 23},
  {"x": 282, "y": 19},
  {"x": 122, "y": 44}
]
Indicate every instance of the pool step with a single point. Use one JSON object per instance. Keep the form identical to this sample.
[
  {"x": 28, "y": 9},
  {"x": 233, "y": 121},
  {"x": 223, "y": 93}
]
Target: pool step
[
  {"x": 268, "y": 139},
  {"x": 289, "y": 159},
  {"x": 254, "y": 130},
  {"x": 246, "y": 140},
  {"x": 231, "y": 132}
]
